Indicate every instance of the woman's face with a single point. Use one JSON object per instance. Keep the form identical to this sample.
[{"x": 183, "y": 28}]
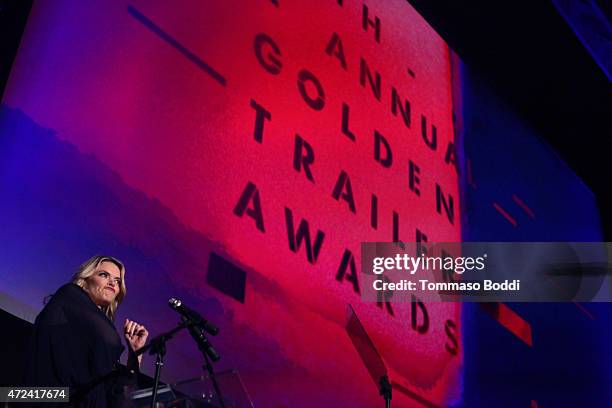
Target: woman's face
[{"x": 104, "y": 285}]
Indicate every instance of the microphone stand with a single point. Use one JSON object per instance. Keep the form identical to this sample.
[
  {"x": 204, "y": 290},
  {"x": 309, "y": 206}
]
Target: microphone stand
[
  {"x": 158, "y": 346},
  {"x": 209, "y": 354},
  {"x": 211, "y": 372},
  {"x": 385, "y": 390}
]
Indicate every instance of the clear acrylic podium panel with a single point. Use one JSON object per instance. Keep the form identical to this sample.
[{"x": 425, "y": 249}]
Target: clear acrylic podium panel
[{"x": 201, "y": 389}]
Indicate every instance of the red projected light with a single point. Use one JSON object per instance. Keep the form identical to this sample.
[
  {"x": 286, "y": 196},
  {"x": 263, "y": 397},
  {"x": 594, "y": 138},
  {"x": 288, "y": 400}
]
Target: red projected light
[{"x": 286, "y": 133}]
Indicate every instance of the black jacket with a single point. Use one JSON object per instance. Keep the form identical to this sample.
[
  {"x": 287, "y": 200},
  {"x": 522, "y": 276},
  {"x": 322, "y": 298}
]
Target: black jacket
[{"x": 76, "y": 345}]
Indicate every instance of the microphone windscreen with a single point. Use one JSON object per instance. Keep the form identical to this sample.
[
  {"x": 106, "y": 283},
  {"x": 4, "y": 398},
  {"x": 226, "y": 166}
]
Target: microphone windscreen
[{"x": 174, "y": 303}]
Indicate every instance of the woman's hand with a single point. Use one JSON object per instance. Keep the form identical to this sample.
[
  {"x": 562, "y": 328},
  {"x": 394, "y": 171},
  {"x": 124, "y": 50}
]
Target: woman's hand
[{"x": 135, "y": 336}]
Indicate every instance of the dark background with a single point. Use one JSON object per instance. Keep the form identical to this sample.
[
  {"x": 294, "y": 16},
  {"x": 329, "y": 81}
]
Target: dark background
[{"x": 533, "y": 60}]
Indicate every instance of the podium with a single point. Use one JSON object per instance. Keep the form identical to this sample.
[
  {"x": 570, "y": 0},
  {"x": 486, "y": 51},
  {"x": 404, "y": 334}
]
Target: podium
[
  {"x": 200, "y": 390},
  {"x": 142, "y": 398}
]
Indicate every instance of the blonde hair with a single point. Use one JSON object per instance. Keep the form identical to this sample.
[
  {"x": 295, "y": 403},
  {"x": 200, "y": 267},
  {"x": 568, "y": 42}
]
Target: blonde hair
[{"x": 89, "y": 268}]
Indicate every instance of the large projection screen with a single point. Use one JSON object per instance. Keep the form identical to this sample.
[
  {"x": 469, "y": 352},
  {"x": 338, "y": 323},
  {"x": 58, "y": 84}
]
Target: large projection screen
[{"x": 235, "y": 155}]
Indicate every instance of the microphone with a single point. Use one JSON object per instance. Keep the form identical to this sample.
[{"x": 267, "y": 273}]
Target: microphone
[
  {"x": 193, "y": 316},
  {"x": 203, "y": 343}
]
